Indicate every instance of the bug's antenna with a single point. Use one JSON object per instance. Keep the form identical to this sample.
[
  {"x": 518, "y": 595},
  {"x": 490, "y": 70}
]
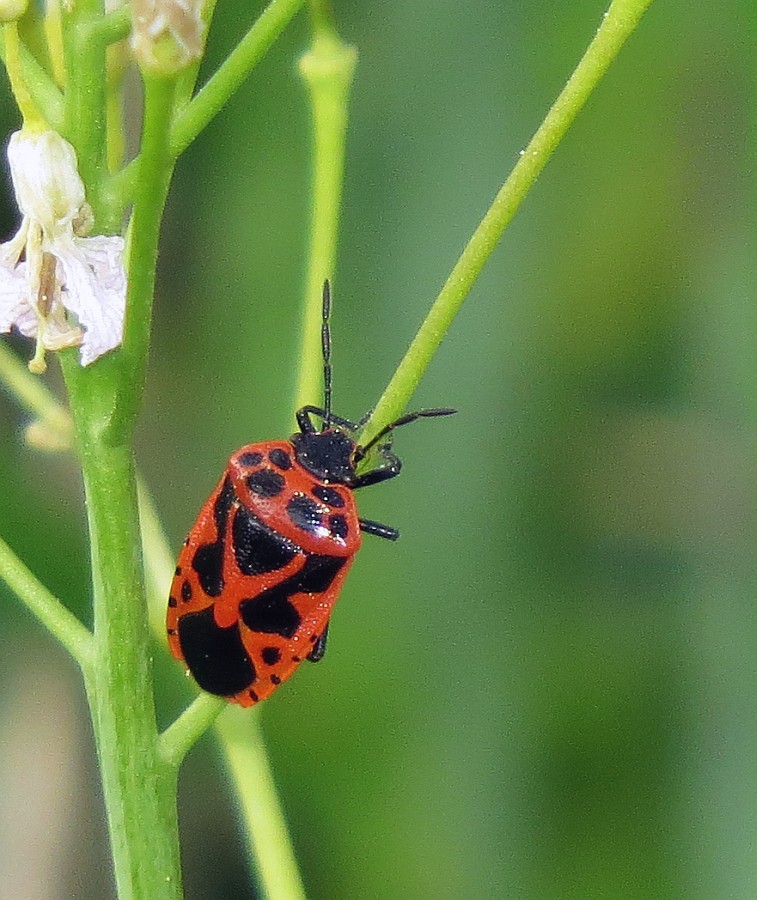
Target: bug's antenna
[{"x": 326, "y": 349}]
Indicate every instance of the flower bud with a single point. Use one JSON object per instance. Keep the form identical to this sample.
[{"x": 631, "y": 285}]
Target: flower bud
[{"x": 45, "y": 178}]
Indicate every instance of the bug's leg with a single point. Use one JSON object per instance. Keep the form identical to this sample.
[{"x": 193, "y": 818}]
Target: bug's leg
[
  {"x": 306, "y": 425},
  {"x": 390, "y": 467},
  {"x": 378, "y": 530},
  {"x": 304, "y": 422},
  {"x": 319, "y": 647}
]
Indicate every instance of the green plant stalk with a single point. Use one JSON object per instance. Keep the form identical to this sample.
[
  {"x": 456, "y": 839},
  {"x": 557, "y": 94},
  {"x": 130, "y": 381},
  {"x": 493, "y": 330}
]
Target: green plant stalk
[
  {"x": 184, "y": 732},
  {"x": 32, "y": 393},
  {"x": 276, "y": 868},
  {"x": 187, "y": 80},
  {"x": 138, "y": 787},
  {"x": 156, "y": 166},
  {"x": 617, "y": 25},
  {"x": 47, "y": 98},
  {"x": 48, "y": 609},
  {"x": 85, "y": 102},
  {"x": 215, "y": 94},
  {"x": 111, "y": 27},
  {"x": 327, "y": 68}
]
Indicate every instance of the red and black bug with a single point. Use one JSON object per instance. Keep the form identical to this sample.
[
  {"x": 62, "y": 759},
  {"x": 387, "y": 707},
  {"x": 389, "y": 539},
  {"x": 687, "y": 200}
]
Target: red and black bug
[{"x": 263, "y": 565}]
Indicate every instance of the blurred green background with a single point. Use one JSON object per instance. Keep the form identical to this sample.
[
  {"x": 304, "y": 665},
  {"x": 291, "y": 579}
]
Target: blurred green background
[{"x": 548, "y": 687}]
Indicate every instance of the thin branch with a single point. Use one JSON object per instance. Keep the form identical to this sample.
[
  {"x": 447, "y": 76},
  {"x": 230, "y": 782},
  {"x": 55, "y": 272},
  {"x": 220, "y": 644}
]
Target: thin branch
[
  {"x": 48, "y": 609},
  {"x": 327, "y": 68},
  {"x": 47, "y": 98},
  {"x": 276, "y": 865},
  {"x": 211, "y": 98},
  {"x": 183, "y": 733},
  {"x": 617, "y": 25}
]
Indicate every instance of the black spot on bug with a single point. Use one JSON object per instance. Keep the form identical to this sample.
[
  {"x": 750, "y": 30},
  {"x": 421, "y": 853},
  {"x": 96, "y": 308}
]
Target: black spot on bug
[
  {"x": 251, "y": 458},
  {"x": 271, "y": 612},
  {"x": 280, "y": 458},
  {"x": 177, "y": 571},
  {"x": 253, "y": 696},
  {"x": 266, "y": 483},
  {"x": 305, "y": 513},
  {"x": 222, "y": 507},
  {"x": 215, "y": 656},
  {"x": 297, "y": 659},
  {"x": 338, "y": 526},
  {"x": 172, "y": 602},
  {"x": 186, "y": 592},
  {"x": 318, "y": 572},
  {"x": 208, "y": 558},
  {"x": 170, "y": 631},
  {"x": 271, "y": 655},
  {"x": 258, "y": 548},
  {"x": 275, "y": 679},
  {"x": 329, "y": 495},
  {"x": 208, "y": 563}
]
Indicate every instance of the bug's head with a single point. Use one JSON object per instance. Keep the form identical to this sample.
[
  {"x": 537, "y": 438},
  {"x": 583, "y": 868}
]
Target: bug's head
[
  {"x": 332, "y": 453},
  {"x": 328, "y": 454}
]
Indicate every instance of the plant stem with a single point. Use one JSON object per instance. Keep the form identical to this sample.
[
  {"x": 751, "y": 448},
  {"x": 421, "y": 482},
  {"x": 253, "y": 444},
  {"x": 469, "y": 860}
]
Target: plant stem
[
  {"x": 33, "y": 394},
  {"x": 327, "y": 69},
  {"x": 183, "y": 733},
  {"x": 617, "y": 25},
  {"x": 47, "y": 98},
  {"x": 276, "y": 866},
  {"x": 86, "y": 85},
  {"x": 155, "y": 171},
  {"x": 211, "y": 98},
  {"x": 61, "y": 623},
  {"x": 112, "y": 27},
  {"x": 138, "y": 788}
]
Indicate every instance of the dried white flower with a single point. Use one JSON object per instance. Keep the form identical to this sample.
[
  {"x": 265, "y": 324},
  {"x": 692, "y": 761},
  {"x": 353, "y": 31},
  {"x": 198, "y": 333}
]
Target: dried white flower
[
  {"x": 167, "y": 35},
  {"x": 62, "y": 272}
]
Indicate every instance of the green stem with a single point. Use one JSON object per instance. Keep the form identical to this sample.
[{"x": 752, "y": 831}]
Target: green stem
[
  {"x": 236, "y": 67},
  {"x": 270, "y": 849},
  {"x": 44, "y": 92},
  {"x": 110, "y": 28},
  {"x": 33, "y": 394},
  {"x": 138, "y": 788},
  {"x": 61, "y": 623},
  {"x": 327, "y": 68},
  {"x": 155, "y": 171},
  {"x": 617, "y": 25},
  {"x": 159, "y": 562},
  {"x": 85, "y": 101},
  {"x": 122, "y": 185},
  {"x": 183, "y": 733},
  {"x": 275, "y": 863}
]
